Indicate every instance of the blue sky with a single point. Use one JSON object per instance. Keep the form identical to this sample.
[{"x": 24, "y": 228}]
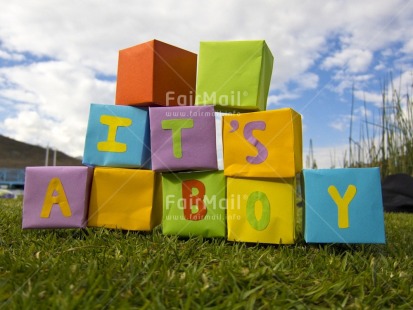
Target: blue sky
[{"x": 57, "y": 57}]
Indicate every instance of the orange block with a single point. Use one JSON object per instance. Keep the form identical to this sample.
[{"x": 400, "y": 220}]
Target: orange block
[{"x": 156, "y": 73}]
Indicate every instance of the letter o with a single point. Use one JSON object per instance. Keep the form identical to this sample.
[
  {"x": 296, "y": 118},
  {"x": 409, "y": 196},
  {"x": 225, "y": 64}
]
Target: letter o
[{"x": 263, "y": 222}]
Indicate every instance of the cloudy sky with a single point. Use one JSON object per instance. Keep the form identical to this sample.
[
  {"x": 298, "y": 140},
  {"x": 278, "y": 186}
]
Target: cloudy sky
[{"x": 57, "y": 57}]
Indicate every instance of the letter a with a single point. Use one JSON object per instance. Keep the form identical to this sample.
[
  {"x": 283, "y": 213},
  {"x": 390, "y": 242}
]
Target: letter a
[
  {"x": 111, "y": 145},
  {"x": 191, "y": 200},
  {"x": 176, "y": 125},
  {"x": 55, "y": 186},
  {"x": 262, "y": 150},
  {"x": 342, "y": 203}
]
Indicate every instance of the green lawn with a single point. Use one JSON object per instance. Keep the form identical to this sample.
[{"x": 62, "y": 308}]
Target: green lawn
[{"x": 99, "y": 268}]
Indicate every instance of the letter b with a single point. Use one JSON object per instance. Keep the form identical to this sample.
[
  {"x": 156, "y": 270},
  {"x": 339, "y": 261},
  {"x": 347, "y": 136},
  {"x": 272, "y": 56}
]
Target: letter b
[{"x": 190, "y": 200}]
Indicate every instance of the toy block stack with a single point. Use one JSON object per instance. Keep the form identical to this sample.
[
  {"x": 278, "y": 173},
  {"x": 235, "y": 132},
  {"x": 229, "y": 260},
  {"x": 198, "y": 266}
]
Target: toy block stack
[
  {"x": 261, "y": 173},
  {"x": 152, "y": 158},
  {"x": 235, "y": 76},
  {"x": 184, "y": 150},
  {"x": 261, "y": 149},
  {"x": 125, "y": 194}
]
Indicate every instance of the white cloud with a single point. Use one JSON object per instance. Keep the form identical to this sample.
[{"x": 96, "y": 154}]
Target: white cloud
[
  {"x": 401, "y": 83},
  {"x": 387, "y": 52},
  {"x": 275, "y": 100},
  {"x": 82, "y": 38},
  {"x": 408, "y": 47},
  {"x": 91, "y": 32},
  {"x": 370, "y": 97},
  {"x": 347, "y": 80},
  {"x": 354, "y": 60},
  {"x": 307, "y": 81},
  {"x": 341, "y": 123},
  {"x": 328, "y": 157},
  {"x": 379, "y": 66},
  {"x": 56, "y": 97},
  {"x": 304, "y": 81},
  {"x": 11, "y": 56},
  {"x": 19, "y": 95},
  {"x": 29, "y": 126},
  {"x": 363, "y": 113}
]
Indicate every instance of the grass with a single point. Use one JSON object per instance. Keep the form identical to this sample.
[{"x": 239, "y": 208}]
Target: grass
[{"x": 111, "y": 269}]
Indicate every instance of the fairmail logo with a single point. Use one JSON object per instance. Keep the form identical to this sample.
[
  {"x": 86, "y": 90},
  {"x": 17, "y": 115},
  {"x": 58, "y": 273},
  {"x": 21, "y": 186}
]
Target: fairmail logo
[{"x": 231, "y": 99}]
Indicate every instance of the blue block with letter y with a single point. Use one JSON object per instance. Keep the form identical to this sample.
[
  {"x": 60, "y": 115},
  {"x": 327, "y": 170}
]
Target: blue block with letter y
[{"x": 343, "y": 206}]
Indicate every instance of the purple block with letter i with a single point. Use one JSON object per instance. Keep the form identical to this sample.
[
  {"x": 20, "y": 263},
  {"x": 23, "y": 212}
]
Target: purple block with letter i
[
  {"x": 56, "y": 197},
  {"x": 343, "y": 206},
  {"x": 183, "y": 138}
]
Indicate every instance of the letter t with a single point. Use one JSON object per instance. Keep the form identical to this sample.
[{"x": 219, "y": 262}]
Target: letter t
[{"x": 176, "y": 125}]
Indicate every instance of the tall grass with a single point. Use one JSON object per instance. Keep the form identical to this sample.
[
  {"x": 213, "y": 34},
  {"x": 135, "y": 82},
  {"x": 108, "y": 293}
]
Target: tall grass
[{"x": 386, "y": 137}]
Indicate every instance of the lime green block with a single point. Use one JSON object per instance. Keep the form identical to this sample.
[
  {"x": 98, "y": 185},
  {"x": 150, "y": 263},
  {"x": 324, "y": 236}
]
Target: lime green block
[
  {"x": 234, "y": 75},
  {"x": 194, "y": 204}
]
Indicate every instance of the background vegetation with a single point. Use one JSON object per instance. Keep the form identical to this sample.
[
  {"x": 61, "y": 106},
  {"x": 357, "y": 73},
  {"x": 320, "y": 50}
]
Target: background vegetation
[{"x": 382, "y": 136}]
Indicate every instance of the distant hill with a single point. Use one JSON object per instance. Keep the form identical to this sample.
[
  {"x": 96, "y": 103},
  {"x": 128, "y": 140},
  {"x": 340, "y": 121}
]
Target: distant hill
[{"x": 16, "y": 154}]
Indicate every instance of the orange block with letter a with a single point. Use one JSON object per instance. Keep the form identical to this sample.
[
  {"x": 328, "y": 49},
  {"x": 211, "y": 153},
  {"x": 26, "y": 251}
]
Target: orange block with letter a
[{"x": 156, "y": 73}]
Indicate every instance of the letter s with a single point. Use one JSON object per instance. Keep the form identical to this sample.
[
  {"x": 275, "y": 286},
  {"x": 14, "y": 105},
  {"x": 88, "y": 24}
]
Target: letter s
[{"x": 262, "y": 150}]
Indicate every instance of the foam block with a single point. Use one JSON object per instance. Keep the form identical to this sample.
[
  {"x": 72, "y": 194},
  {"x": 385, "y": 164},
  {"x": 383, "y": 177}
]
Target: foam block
[
  {"x": 261, "y": 210},
  {"x": 194, "y": 204},
  {"x": 183, "y": 138},
  {"x": 125, "y": 199},
  {"x": 234, "y": 75},
  {"x": 263, "y": 144},
  {"x": 156, "y": 73},
  {"x": 56, "y": 197},
  {"x": 343, "y": 206},
  {"x": 117, "y": 136}
]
